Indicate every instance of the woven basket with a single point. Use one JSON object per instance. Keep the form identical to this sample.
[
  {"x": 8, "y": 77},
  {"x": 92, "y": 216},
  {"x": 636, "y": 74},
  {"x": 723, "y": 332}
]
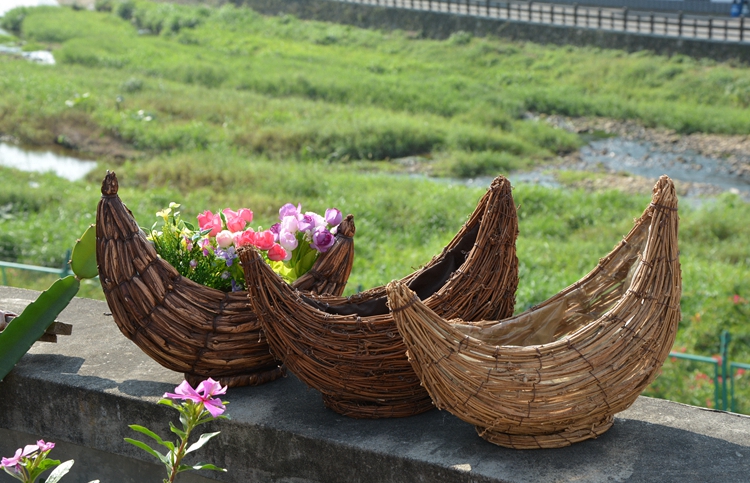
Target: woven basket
[
  {"x": 350, "y": 350},
  {"x": 557, "y": 374},
  {"x": 185, "y": 326}
]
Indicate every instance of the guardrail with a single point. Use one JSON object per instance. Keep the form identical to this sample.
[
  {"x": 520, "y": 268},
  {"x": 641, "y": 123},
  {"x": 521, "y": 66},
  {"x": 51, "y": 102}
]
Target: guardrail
[
  {"x": 703, "y": 27},
  {"x": 723, "y": 371},
  {"x": 62, "y": 272}
]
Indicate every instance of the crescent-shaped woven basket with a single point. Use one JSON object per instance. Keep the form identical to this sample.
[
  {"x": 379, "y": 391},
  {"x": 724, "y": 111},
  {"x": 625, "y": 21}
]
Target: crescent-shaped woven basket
[
  {"x": 350, "y": 349},
  {"x": 185, "y": 326},
  {"x": 557, "y": 374}
]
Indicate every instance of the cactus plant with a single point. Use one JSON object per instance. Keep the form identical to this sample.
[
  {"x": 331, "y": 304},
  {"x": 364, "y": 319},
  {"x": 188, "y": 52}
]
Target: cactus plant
[{"x": 17, "y": 338}]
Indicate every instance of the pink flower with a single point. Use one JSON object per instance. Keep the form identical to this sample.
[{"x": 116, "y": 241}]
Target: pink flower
[
  {"x": 224, "y": 239},
  {"x": 245, "y": 238},
  {"x": 209, "y": 221},
  {"x": 236, "y": 220},
  {"x": 333, "y": 216},
  {"x": 202, "y": 395},
  {"x": 276, "y": 253},
  {"x": 45, "y": 446},
  {"x": 264, "y": 240},
  {"x": 15, "y": 461}
]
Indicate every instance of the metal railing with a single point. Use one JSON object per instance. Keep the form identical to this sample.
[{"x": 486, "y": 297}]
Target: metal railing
[
  {"x": 723, "y": 370},
  {"x": 62, "y": 272},
  {"x": 725, "y": 29}
]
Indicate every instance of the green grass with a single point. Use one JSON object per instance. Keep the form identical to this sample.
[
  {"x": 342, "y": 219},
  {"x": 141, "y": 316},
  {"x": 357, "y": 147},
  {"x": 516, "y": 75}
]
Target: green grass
[{"x": 226, "y": 108}]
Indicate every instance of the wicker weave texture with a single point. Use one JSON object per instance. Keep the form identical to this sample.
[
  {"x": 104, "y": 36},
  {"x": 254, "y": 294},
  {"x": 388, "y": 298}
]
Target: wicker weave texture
[
  {"x": 182, "y": 325},
  {"x": 353, "y": 354},
  {"x": 558, "y": 373}
]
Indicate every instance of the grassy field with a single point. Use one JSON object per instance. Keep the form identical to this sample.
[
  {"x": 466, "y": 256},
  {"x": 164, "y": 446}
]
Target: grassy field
[{"x": 223, "y": 107}]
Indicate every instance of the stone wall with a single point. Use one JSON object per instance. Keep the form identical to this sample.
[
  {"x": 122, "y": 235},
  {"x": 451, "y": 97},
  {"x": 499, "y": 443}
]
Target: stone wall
[{"x": 441, "y": 25}]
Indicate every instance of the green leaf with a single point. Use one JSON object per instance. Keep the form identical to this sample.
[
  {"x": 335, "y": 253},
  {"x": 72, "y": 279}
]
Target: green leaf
[
  {"x": 152, "y": 435},
  {"x": 59, "y": 472},
  {"x": 177, "y": 430},
  {"x": 27, "y": 328},
  {"x": 148, "y": 450},
  {"x": 201, "y": 441},
  {"x": 83, "y": 260},
  {"x": 47, "y": 464}
]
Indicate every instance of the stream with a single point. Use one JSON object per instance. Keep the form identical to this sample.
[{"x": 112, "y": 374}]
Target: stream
[
  {"x": 57, "y": 161},
  {"x": 700, "y": 175}
]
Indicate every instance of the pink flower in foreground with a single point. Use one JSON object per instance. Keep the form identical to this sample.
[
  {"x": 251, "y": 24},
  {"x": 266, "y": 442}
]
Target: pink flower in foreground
[
  {"x": 236, "y": 220},
  {"x": 264, "y": 240},
  {"x": 15, "y": 461},
  {"x": 277, "y": 253},
  {"x": 209, "y": 221},
  {"x": 203, "y": 395},
  {"x": 245, "y": 238}
]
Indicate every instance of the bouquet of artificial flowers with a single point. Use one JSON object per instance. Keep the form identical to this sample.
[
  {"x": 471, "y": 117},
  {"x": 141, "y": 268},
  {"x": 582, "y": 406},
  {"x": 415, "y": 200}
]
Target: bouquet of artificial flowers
[{"x": 208, "y": 254}]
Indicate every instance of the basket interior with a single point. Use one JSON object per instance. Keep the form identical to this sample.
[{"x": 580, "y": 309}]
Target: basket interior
[
  {"x": 427, "y": 282},
  {"x": 582, "y": 303}
]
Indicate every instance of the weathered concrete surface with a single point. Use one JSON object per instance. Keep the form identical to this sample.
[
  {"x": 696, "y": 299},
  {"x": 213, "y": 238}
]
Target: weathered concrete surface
[
  {"x": 89, "y": 386},
  {"x": 441, "y": 25}
]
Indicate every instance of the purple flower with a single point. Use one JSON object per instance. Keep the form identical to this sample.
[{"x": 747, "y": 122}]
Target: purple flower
[
  {"x": 289, "y": 210},
  {"x": 333, "y": 216},
  {"x": 202, "y": 395},
  {"x": 225, "y": 275},
  {"x": 322, "y": 240},
  {"x": 306, "y": 222},
  {"x": 290, "y": 224},
  {"x": 275, "y": 229},
  {"x": 319, "y": 220},
  {"x": 15, "y": 461},
  {"x": 193, "y": 263},
  {"x": 205, "y": 244},
  {"x": 188, "y": 243},
  {"x": 228, "y": 255},
  {"x": 288, "y": 241},
  {"x": 236, "y": 287}
]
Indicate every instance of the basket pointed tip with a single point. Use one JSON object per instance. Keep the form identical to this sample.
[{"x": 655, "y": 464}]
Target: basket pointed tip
[
  {"x": 346, "y": 227},
  {"x": 110, "y": 184}
]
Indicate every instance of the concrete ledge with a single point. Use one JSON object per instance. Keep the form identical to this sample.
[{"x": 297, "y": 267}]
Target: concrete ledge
[
  {"x": 88, "y": 387},
  {"x": 441, "y": 25}
]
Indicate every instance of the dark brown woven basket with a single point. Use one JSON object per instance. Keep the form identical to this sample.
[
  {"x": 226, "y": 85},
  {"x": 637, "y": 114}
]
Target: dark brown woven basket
[
  {"x": 185, "y": 326},
  {"x": 557, "y": 373},
  {"x": 350, "y": 349}
]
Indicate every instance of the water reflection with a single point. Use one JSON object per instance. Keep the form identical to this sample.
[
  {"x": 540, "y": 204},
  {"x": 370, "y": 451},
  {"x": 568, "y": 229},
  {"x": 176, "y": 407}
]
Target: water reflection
[
  {"x": 6, "y": 5},
  {"x": 42, "y": 161}
]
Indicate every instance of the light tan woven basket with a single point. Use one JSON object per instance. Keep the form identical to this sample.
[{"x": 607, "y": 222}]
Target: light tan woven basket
[
  {"x": 185, "y": 326},
  {"x": 350, "y": 350},
  {"x": 557, "y": 373}
]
